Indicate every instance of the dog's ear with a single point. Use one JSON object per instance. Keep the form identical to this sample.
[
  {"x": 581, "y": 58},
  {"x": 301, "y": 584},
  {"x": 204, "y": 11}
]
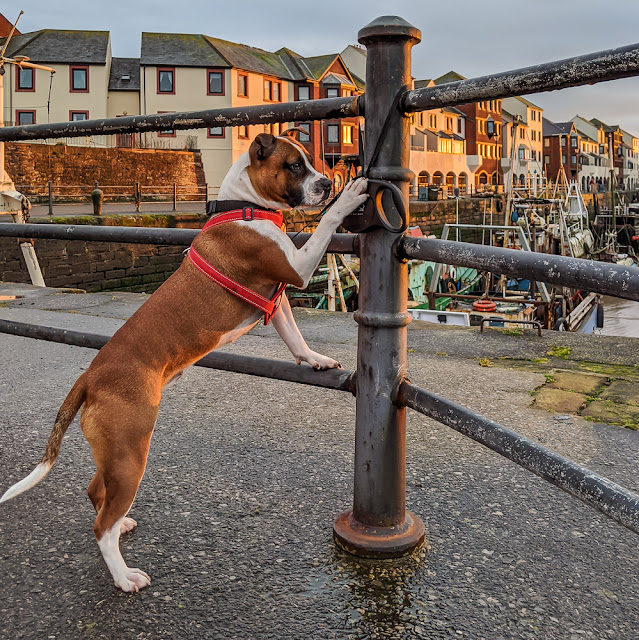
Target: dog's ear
[
  {"x": 263, "y": 146},
  {"x": 293, "y": 130}
]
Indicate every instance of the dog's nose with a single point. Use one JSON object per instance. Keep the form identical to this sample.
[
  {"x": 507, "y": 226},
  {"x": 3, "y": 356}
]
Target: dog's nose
[{"x": 325, "y": 183}]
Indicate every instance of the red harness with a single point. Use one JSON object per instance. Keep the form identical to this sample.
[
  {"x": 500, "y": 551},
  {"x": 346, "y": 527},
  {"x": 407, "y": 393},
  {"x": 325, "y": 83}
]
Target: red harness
[{"x": 268, "y": 306}]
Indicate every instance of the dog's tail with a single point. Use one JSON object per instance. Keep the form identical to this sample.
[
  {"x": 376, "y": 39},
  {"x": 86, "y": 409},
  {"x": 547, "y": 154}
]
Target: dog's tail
[{"x": 69, "y": 408}]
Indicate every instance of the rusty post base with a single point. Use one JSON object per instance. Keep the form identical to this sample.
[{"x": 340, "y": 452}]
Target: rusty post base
[{"x": 378, "y": 542}]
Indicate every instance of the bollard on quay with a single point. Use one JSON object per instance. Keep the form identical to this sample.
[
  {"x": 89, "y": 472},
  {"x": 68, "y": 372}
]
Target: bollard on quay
[
  {"x": 378, "y": 525},
  {"x": 97, "y": 197}
]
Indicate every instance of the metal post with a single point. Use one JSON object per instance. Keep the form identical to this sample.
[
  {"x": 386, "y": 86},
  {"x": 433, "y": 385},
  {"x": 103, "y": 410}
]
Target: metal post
[
  {"x": 50, "y": 198},
  {"x": 175, "y": 196},
  {"x": 378, "y": 525}
]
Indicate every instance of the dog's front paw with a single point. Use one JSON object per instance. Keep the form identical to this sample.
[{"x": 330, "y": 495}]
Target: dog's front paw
[
  {"x": 133, "y": 580},
  {"x": 318, "y": 361},
  {"x": 353, "y": 195}
]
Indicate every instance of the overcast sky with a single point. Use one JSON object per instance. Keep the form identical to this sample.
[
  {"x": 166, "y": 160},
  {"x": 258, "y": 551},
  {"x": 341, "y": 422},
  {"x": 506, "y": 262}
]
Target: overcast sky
[{"x": 473, "y": 38}]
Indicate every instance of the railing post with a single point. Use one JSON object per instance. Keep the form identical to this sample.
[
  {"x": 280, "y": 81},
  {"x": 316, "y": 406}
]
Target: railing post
[
  {"x": 50, "y": 190},
  {"x": 175, "y": 196},
  {"x": 379, "y": 525}
]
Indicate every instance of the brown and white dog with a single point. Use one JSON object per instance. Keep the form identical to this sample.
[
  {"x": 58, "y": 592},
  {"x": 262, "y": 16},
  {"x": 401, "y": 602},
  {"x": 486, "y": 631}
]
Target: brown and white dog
[{"x": 186, "y": 318}]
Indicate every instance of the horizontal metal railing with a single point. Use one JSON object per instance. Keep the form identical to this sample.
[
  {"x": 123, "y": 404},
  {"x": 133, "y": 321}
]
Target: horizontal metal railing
[
  {"x": 337, "y": 379},
  {"x": 340, "y": 242},
  {"x": 598, "y": 492},
  {"x": 324, "y": 109},
  {"x": 602, "y": 66},
  {"x": 599, "y": 277}
]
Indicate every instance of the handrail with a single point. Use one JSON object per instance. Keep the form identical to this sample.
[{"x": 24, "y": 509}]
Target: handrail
[
  {"x": 340, "y": 242},
  {"x": 611, "y": 64},
  {"x": 597, "y": 492},
  {"x": 338, "y": 379},
  {"x": 326, "y": 108},
  {"x": 599, "y": 277}
]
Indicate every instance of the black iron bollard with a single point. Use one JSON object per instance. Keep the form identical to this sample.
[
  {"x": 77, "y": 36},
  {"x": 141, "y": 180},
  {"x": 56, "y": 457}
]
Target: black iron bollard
[
  {"x": 97, "y": 197},
  {"x": 379, "y": 526}
]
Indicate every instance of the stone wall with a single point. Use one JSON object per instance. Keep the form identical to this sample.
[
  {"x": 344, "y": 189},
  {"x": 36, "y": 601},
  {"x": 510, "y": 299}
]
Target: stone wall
[
  {"x": 431, "y": 217},
  {"x": 100, "y": 266},
  {"x": 37, "y": 164}
]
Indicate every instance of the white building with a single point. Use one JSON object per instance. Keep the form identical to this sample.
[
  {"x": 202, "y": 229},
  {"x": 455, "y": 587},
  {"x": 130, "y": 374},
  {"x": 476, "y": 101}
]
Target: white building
[{"x": 521, "y": 129}]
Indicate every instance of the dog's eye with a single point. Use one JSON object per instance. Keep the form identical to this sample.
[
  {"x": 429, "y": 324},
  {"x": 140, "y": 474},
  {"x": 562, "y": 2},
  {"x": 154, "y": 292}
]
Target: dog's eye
[{"x": 296, "y": 166}]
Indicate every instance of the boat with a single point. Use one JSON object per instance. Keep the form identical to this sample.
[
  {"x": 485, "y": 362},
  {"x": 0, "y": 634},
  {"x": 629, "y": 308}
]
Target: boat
[{"x": 538, "y": 216}]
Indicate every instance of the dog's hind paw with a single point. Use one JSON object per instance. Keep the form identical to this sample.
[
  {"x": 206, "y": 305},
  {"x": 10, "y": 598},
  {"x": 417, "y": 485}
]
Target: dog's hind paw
[
  {"x": 133, "y": 580},
  {"x": 128, "y": 524}
]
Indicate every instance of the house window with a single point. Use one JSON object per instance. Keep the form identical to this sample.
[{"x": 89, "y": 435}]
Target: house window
[
  {"x": 76, "y": 116},
  {"x": 563, "y": 158},
  {"x": 166, "y": 80},
  {"x": 167, "y": 133},
  {"x": 601, "y": 148},
  {"x": 432, "y": 121},
  {"x": 272, "y": 90},
  {"x": 573, "y": 159},
  {"x": 25, "y": 117},
  {"x": 332, "y": 93},
  {"x": 347, "y": 93},
  {"x": 243, "y": 132},
  {"x": 522, "y": 133},
  {"x": 303, "y": 93},
  {"x": 521, "y": 153},
  {"x": 459, "y": 125},
  {"x": 573, "y": 142},
  {"x": 449, "y": 124},
  {"x": 79, "y": 79},
  {"x": 563, "y": 141},
  {"x": 347, "y": 134},
  {"x": 215, "y": 132},
  {"x": 332, "y": 136},
  {"x": 242, "y": 85},
  {"x": 215, "y": 83},
  {"x": 305, "y": 137},
  {"x": 25, "y": 80},
  {"x": 547, "y": 142},
  {"x": 547, "y": 159}
]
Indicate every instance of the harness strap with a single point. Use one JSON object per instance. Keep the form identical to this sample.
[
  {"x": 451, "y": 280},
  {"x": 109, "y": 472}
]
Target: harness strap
[{"x": 269, "y": 307}]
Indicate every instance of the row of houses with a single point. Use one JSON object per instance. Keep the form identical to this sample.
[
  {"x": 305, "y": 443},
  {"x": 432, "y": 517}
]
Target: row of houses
[{"x": 470, "y": 147}]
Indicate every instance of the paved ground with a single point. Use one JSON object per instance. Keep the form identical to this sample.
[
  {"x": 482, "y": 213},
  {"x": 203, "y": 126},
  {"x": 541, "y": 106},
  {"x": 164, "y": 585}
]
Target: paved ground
[{"x": 246, "y": 475}]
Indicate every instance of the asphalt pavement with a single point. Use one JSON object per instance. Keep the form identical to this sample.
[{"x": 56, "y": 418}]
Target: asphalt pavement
[{"x": 245, "y": 476}]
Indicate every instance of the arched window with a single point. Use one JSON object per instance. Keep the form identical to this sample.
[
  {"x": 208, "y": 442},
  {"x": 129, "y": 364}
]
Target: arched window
[
  {"x": 462, "y": 183},
  {"x": 493, "y": 178},
  {"x": 483, "y": 178},
  {"x": 438, "y": 178},
  {"x": 450, "y": 180},
  {"x": 423, "y": 179}
]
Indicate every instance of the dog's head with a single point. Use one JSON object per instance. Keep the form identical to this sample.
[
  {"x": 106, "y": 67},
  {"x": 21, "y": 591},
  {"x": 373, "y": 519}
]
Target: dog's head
[{"x": 280, "y": 170}]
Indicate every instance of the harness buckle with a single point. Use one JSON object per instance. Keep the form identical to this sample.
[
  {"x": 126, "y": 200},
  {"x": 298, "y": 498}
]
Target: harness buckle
[{"x": 244, "y": 215}]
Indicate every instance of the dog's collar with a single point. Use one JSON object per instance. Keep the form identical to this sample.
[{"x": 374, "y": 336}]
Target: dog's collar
[
  {"x": 221, "y": 206},
  {"x": 240, "y": 211}
]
